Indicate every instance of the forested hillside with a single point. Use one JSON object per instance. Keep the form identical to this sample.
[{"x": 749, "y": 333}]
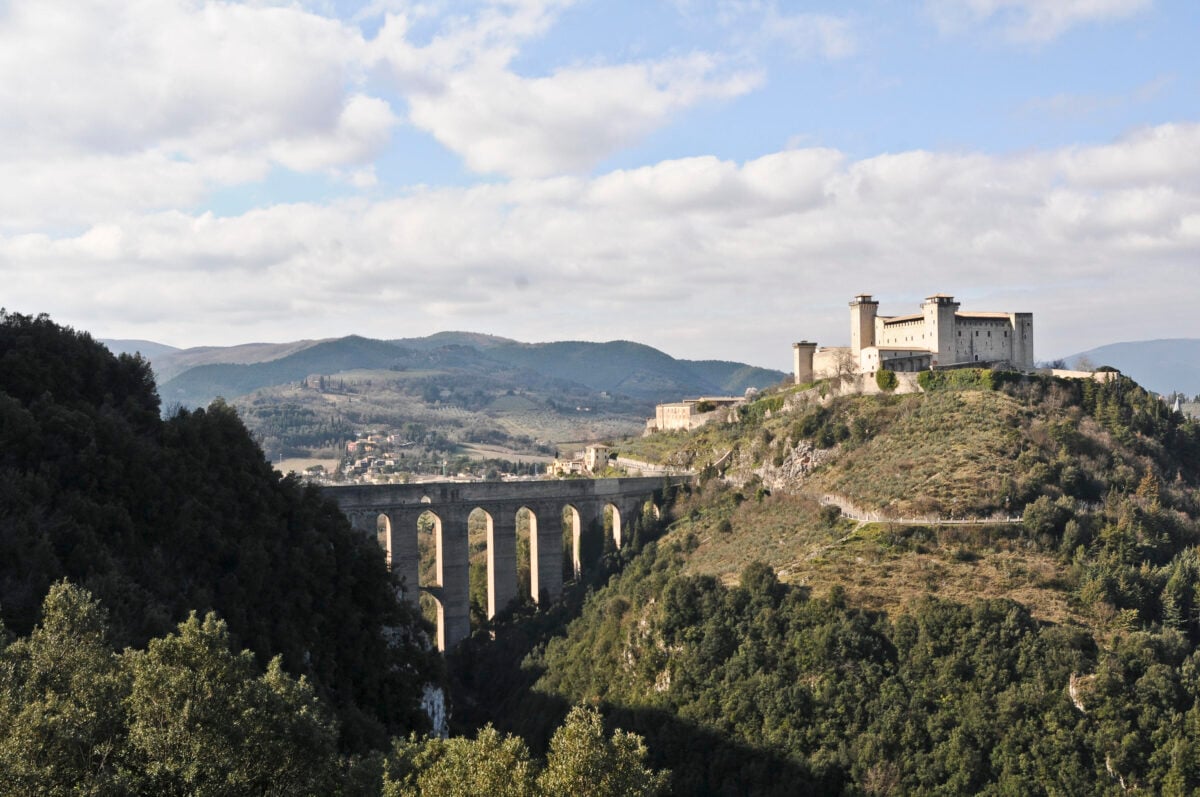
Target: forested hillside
[
  {"x": 158, "y": 518},
  {"x": 177, "y": 618},
  {"x": 1017, "y": 614},
  {"x": 1052, "y": 655}
]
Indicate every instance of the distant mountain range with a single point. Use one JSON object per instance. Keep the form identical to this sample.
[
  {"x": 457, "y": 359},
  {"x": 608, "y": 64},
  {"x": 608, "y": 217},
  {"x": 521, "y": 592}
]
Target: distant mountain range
[
  {"x": 1163, "y": 366},
  {"x": 195, "y": 376}
]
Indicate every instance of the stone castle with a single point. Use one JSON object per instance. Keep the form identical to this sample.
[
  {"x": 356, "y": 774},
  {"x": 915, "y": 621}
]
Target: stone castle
[{"x": 937, "y": 337}]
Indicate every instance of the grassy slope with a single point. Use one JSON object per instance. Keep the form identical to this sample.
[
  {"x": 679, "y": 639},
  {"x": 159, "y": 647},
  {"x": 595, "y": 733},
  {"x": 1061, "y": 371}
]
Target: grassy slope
[
  {"x": 948, "y": 453},
  {"x": 879, "y": 566}
]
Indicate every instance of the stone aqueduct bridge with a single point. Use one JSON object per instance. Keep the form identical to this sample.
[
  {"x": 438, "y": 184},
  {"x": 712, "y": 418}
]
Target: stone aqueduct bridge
[{"x": 451, "y": 503}]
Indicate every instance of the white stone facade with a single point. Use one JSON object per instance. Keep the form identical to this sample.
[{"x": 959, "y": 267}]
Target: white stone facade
[
  {"x": 940, "y": 336},
  {"x": 688, "y": 414}
]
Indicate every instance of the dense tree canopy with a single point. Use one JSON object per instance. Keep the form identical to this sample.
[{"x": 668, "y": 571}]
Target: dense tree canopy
[{"x": 159, "y": 518}]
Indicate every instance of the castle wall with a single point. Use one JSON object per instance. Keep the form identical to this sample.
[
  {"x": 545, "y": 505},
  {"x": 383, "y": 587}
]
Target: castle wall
[
  {"x": 899, "y": 360},
  {"x": 825, "y": 361},
  {"x": 674, "y": 416},
  {"x": 901, "y": 334},
  {"x": 987, "y": 340}
]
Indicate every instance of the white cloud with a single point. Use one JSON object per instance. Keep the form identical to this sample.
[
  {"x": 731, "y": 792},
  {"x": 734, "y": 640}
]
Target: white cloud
[
  {"x": 1031, "y": 20},
  {"x": 110, "y": 107},
  {"x": 462, "y": 89},
  {"x": 757, "y": 253},
  {"x": 759, "y": 23},
  {"x": 201, "y": 77},
  {"x": 362, "y": 129},
  {"x": 569, "y": 121},
  {"x": 1163, "y": 154},
  {"x": 824, "y": 34},
  {"x": 114, "y": 106}
]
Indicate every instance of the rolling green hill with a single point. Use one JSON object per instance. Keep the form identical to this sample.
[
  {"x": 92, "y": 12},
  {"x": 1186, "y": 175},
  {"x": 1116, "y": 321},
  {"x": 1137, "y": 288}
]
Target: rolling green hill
[
  {"x": 765, "y": 643},
  {"x": 470, "y": 388},
  {"x": 201, "y": 384},
  {"x": 619, "y": 367}
]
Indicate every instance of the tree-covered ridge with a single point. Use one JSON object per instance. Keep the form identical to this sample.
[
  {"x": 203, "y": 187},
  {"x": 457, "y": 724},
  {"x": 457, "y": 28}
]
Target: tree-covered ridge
[
  {"x": 824, "y": 698},
  {"x": 159, "y": 518},
  {"x": 766, "y": 687},
  {"x": 188, "y": 716}
]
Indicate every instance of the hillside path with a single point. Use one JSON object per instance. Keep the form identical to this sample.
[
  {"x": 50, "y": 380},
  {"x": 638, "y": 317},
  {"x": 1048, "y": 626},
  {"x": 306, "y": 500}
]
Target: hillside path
[{"x": 851, "y": 512}]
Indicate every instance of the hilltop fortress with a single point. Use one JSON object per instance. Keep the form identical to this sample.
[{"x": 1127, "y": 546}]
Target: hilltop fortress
[{"x": 937, "y": 337}]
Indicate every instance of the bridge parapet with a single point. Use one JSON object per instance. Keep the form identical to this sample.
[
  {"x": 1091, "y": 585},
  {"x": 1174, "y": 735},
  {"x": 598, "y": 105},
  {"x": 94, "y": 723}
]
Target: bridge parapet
[{"x": 451, "y": 504}]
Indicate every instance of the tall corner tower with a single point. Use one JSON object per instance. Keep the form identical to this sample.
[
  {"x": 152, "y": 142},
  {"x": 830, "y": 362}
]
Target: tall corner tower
[
  {"x": 862, "y": 323},
  {"x": 1022, "y": 346},
  {"x": 803, "y": 359},
  {"x": 939, "y": 311}
]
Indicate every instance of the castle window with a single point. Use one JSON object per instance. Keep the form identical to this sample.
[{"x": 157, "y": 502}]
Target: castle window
[{"x": 989, "y": 333}]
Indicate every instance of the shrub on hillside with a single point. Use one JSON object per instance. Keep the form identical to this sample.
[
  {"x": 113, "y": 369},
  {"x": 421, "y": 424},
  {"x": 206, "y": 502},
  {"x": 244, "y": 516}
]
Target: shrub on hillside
[
  {"x": 887, "y": 380},
  {"x": 957, "y": 379}
]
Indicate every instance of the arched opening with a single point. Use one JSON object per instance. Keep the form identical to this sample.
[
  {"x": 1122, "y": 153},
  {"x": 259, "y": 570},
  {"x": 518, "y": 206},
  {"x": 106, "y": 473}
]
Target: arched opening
[
  {"x": 429, "y": 536},
  {"x": 445, "y": 581},
  {"x": 526, "y": 521},
  {"x": 479, "y": 533},
  {"x": 573, "y": 554},
  {"x": 383, "y": 536},
  {"x": 612, "y": 526}
]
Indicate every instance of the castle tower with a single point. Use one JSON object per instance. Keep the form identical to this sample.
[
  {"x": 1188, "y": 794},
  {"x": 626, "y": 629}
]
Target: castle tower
[
  {"x": 939, "y": 311},
  {"x": 1022, "y": 345},
  {"x": 862, "y": 324},
  {"x": 803, "y": 358}
]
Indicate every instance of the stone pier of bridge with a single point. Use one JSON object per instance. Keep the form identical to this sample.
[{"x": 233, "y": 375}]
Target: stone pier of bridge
[{"x": 393, "y": 512}]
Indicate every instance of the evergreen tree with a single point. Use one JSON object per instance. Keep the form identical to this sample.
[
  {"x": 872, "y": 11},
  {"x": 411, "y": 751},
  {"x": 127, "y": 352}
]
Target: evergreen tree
[{"x": 584, "y": 761}]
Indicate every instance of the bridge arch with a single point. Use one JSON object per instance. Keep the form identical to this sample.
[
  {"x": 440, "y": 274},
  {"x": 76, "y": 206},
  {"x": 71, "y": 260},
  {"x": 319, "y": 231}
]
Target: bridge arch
[
  {"x": 383, "y": 536},
  {"x": 612, "y": 520},
  {"x": 392, "y": 514},
  {"x": 572, "y": 525}
]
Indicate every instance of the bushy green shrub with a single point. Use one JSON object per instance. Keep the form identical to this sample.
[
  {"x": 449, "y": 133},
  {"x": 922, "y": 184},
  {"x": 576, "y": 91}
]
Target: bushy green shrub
[
  {"x": 958, "y": 379},
  {"x": 886, "y": 379}
]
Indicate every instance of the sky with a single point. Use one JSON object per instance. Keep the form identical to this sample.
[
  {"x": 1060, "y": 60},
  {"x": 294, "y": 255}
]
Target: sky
[{"x": 715, "y": 179}]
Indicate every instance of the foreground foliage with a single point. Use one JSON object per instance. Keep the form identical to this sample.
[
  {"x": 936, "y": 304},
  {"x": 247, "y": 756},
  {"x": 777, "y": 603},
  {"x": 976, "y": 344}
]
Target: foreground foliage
[
  {"x": 760, "y": 689},
  {"x": 159, "y": 518},
  {"x": 583, "y": 760},
  {"x": 187, "y": 716}
]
